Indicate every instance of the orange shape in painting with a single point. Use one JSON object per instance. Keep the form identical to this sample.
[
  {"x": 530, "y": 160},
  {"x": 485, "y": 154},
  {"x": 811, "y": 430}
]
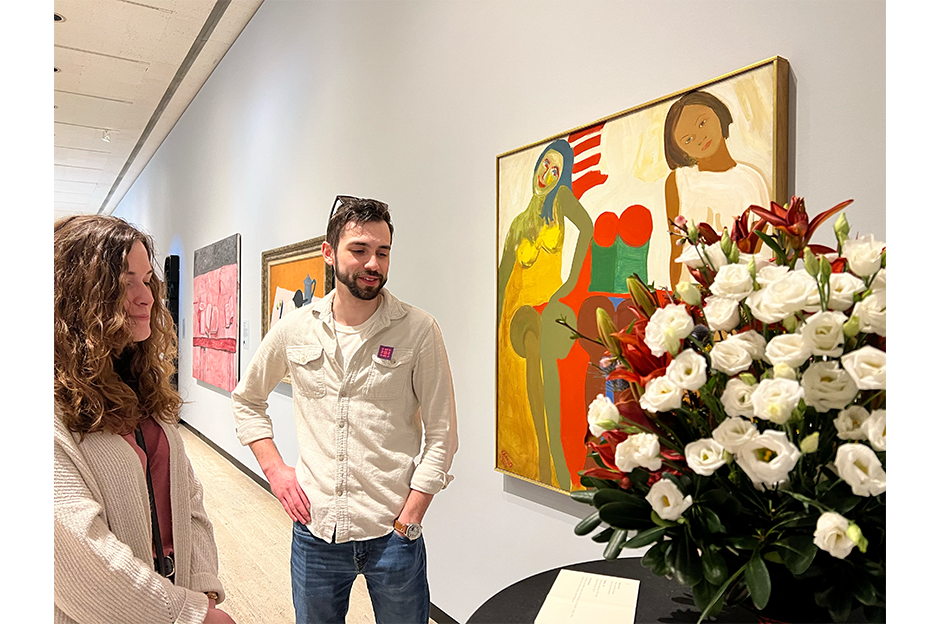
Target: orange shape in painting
[
  {"x": 636, "y": 225},
  {"x": 605, "y": 229}
]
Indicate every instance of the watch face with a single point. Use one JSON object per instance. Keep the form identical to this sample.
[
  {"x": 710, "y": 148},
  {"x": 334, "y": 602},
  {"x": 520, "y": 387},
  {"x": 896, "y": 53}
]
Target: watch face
[{"x": 413, "y": 531}]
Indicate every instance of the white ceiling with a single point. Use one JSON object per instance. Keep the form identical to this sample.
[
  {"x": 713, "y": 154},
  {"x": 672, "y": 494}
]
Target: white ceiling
[{"x": 129, "y": 68}]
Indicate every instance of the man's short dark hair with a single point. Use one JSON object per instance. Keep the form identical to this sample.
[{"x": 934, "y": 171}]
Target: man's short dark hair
[{"x": 358, "y": 211}]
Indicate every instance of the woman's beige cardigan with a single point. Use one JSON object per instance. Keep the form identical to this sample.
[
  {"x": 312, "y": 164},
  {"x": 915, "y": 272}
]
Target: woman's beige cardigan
[{"x": 103, "y": 549}]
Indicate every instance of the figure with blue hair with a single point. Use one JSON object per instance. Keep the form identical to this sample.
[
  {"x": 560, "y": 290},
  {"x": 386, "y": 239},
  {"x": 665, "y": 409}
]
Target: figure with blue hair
[{"x": 530, "y": 277}]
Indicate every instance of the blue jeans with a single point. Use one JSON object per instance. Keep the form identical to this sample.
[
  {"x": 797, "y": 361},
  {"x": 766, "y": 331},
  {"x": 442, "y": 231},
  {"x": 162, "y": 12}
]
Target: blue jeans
[{"x": 322, "y": 575}]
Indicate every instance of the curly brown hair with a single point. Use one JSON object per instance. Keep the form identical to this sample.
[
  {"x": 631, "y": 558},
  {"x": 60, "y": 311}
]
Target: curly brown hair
[{"x": 93, "y": 331}]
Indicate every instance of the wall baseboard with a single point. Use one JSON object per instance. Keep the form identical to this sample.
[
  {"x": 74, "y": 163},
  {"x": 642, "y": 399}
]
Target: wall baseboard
[{"x": 436, "y": 614}]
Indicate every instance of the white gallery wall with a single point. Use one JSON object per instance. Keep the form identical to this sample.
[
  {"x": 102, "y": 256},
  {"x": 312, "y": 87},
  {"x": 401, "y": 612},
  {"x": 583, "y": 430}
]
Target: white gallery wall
[{"x": 410, "y": 102}]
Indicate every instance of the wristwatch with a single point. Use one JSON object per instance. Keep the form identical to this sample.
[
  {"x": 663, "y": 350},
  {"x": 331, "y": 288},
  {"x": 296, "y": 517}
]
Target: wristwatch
[
  {"x": 412, "y": 531},
  {"x": 212, "y": 595}
]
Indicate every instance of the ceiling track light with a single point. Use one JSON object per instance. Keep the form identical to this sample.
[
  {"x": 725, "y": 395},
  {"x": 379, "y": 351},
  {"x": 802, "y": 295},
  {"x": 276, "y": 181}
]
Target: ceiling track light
[
  {"x": 105, "y": 136},
  {"x": 59, "y": 18}
]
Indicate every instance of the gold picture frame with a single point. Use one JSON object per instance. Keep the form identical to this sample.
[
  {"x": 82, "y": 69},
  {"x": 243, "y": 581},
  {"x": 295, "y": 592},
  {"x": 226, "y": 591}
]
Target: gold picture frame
[{"x": 580, "y": 210}]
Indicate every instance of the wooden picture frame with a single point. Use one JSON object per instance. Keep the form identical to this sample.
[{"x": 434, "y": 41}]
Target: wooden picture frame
[
  {"x": 581, "y": 210},
  {"x": 286, "y": 269}
]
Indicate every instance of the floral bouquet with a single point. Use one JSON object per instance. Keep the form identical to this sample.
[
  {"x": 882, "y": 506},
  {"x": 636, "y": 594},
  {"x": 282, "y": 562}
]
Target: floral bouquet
[{"x": 746, "y": 441}]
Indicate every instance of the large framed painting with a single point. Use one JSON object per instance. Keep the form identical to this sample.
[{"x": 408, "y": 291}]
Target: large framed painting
[
  {"x": 291, "y": 277},
  {"x": 580, "y": 211},
  {"x": 217, "y": 312}
]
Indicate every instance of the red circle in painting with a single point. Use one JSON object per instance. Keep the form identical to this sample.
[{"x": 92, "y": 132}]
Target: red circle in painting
[
  {"x": 636, "y": 225},
  {"x": 605, "y": 229}
]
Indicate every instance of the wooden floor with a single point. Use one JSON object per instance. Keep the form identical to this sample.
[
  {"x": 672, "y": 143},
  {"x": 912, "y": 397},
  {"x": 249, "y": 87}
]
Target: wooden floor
[{"x": 253, "y": 534}]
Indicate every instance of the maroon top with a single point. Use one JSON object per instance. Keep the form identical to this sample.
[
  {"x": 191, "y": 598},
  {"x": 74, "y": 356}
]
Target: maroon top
[{"x": 158, "y": 452}]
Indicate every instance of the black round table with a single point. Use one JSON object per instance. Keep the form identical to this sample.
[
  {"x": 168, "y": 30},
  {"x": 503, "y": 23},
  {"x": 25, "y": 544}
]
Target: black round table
[{"x": 659, "y": 600}]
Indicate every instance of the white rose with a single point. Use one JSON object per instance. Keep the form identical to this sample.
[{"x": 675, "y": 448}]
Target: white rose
[
  {"x": 875, "y": 430},
  {"x": 872, "y": 313},
  {"x": 768, "y": 459},
  {"x": 863, "y": 255},
  {"x": 858, "y": 466},
  {"x": 692, "y": 256},
  {"x": 867, "y": 367},
  {"x": 850, "y": 423},
  {"x": 667, "y": 328},
  {"x": 784, "y": 371},
  {"x": 666, "y": 499},
  {"x": 661, "y": 395},
  {"x": 721, "y": 313},
  {"x": 881, "y": 281},
  {"x": 689, "y": 293},
  {"x": 602, "y": 415},
  {"x": 770, "y": 274},
  {"x": 705, "y": 456},
  {"x": 783, "y": 297},
  {"x": 736, "y": 398},
  {"x": 832, "y": 535},
  {"x": 842, "y": 290},
  {"x": 826, "y": 386},
  {"x": 732, "y": 281},
  {"x": 733, "y": 433},
  {"x": 688, "y": 370},
  {"x": 775, "y": 399},
  {"x": 822, "y": 332},
  {"x": 639, "y": 450},
  {"x": 730, "y": 357},
  {"x": 789, "y": 349},
  {"x": 753, "y": 343}
]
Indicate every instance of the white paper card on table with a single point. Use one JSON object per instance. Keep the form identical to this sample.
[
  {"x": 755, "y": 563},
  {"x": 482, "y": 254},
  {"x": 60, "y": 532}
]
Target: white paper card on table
[{"x": 584, "y": 597}]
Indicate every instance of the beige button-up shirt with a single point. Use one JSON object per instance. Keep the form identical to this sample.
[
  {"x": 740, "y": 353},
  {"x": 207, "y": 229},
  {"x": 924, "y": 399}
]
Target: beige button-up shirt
[{"x": 360, "y": 428}]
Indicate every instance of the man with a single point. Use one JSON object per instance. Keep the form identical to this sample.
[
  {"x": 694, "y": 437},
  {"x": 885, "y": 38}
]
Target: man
[{"x": 369, "y": 374}]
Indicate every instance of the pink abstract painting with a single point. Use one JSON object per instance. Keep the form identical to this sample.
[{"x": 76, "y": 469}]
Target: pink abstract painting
[{"x": 216, "y": 308}]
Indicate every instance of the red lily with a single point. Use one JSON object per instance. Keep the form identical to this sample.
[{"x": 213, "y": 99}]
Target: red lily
[
  {"x": 643, "y": 364},
  {"x": 794, "y": 222},
  {"x": 745, "y": 236}
]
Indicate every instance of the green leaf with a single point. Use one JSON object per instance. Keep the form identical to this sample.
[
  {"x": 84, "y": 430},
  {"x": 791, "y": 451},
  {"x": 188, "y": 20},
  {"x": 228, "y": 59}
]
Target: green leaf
[
  {"x": 703, "y": 594},
  {"x": 797, "y": 552},
  {"x": 584, "y": 496},
  {"x": 758, "y": 581},
  {"x": 602, "y": 497},
  {"x": 712, "y": 521},
  {"x": 770, "y": 242},
  {"x": 773, "y": 557},
  {"x": 688, "y": 564},
  {"x": 840, "y": 498},
  {"x": 876, "y": 614},
  {"x": 589, "y": 523},
  {"x": 712, "y": 497},
  {"x": 744, "y": 542},
  {"x": 655, "y": 559},
  {"x": 864, "y": 591},
  {"x": 615, "y": 545},
  {"x": 714, "y": 567},
  {"x": 600, "y": 484},
  {"x": 646, "y": 537},
  {"x": 626, "y": 515},
  {"x": 603, "y": 536}
]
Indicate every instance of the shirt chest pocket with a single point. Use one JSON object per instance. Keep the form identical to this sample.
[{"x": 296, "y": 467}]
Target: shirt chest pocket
[
  {"x": 388, "y": 376},
  {"x": 306, "y": 370}
]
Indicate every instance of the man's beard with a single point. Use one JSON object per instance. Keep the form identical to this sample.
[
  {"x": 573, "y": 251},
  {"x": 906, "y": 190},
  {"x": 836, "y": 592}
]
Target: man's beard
[{"x": 366, "y": 294}]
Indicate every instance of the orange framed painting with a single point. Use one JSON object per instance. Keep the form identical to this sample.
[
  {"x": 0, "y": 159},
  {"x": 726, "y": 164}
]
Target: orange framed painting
[
  {"x": 292, "y": 276},
  {"x": 580, "y": 211}
]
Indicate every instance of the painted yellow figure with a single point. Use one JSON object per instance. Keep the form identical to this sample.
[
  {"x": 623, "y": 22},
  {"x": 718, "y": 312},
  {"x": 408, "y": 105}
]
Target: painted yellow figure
[{"x": 530, "y": 276}]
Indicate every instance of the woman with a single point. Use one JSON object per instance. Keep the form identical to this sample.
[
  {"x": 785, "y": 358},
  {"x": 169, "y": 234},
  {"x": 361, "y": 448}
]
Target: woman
[
  {"x": 706, "y": 184},
  {"x": 530, "y": 278},
  {"x": 119, "y": 459}
]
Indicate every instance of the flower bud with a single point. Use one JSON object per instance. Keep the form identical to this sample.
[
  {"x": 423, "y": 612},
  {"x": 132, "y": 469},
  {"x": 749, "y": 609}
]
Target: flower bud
[
  {"x": 693, "y": 233},
  {"x": 854, "y": 533},
  {"x": 735, "y": 254},
  {"x": 784, "y": 371},
  {"x": 810, "y": 262},
  {"x": 680, "y": 221},
  {"x": 689, "y": 293},
  {"x": 641, "y": 295},
  {"x": 884, "y": 258},
  {"x": 726, "y": 244},
  {"x": 851, "y": 327},
  {"x": 791, "y": 323},
  {"x": 841, "y": 228},
  {"x": 825, "y": 269},
  {"x": 606, "y": 327},
  {"x": 810, "y": 444},
  {"x": 748, "y": 378}
]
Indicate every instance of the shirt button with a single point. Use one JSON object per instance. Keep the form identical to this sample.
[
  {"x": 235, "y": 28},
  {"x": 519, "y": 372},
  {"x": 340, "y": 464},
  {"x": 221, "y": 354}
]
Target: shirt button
[
  {"x": 341, "y": 457},
  {"x": 341, "y": 424}
]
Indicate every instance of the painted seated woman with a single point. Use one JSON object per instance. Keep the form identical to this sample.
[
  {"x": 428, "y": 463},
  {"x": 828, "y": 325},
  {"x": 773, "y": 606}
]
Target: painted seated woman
[
  {"x": 706, "y": 183},
  {"x": 132, "y": 540},
  {"x": 530, "y": 277}
]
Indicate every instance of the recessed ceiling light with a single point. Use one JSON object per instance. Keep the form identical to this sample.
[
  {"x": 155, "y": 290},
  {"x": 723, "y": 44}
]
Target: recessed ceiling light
[
  {"x": 59, "y": 18},
  {"x": 57, "y": 70}
]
